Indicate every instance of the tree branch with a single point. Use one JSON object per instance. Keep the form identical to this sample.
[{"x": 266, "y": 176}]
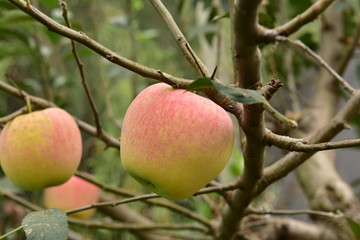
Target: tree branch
[
  {"x": 321, "y": 61},
  {"x": 136, "y": 226},
  {"x": 295, "y": 212},
  {"x": 310, "y": 14},
  {"x": 292, "y": 160},
  {"x": 166, "y": 204},
  {"x": 81, "y": 70},
  {"x": 279, "y": 228},
  {"x": 9, "y": 117},
  {"x": 100, "y": 49},
  {"x": 246, "y": 60},
  {"x": 135, "y": 67},
  {"x": 301, "y": 145},
  {"x": 180, "y": 39}
]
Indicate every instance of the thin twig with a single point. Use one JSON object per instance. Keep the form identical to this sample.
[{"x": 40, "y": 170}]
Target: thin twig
[
  {"x": 113, "y": 57},
  {"x": 81, "y": 70},
  {"x": 97, "y": 47},
  {"x": 300, "y": 145},
  {"x": 13, "y": 115},
  {"x": 351, "y": 50},
  {"x": 19, "y": 200},
  {"x": 295, "y": 212},
  {"x": 310, "y": 14},
  {"x": 101, "y": 224},
  {"x": 321, "y": 61},
  {"x": 11, "y": 232},
  {"x": 169, "y": 205},
  {"x": 114, "y": 203},
  {"x": 180, "y": 38},
  {"x": 136, "y": 226},
  {"x": 292, "y": 160}
]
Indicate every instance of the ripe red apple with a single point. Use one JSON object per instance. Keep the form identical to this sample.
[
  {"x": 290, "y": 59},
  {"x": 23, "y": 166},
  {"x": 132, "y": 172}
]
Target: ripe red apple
[
  {"x": 40, "y": 149},
  {"x": 75, "y": 193},
  {"x": 175, "y": 142}
]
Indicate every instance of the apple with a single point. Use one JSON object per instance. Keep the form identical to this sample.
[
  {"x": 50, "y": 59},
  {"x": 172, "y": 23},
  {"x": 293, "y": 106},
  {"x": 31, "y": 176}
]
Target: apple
[
  {"x": 74, "y": 193},
  {"x": 40, "y": 149},
  {"x": 175, "y": 142}
]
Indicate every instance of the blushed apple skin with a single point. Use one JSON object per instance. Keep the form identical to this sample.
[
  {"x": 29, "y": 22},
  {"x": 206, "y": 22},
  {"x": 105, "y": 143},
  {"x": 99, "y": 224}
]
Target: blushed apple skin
[
  {"x": 74, "y": 193},
  {"x": 175, "y": 142},
  {"x": 40, "y": 149}
]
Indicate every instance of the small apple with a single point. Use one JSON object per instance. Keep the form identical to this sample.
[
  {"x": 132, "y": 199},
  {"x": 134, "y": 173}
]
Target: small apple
[
  {"x": 40, "y": 149},
  {"x": 175, "y": 142},
  {"x": 74, "y": 193}
]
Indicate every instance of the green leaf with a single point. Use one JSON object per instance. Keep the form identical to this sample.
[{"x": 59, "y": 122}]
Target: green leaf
[
  {"x": 46, "y": 225},
  {"x": 354, "y": 226},
  {"x": 201, "y": 83},
  {"x": 50, "y": 4},
  {"x": 265, "y": 20},
  {"x": 244, "y": 96},
  {"x": 14, "y": 16},
  {"x": 6, "y": 5},
  {"x": 237, "y": 166},
  {"x": 218, "y": 17}
]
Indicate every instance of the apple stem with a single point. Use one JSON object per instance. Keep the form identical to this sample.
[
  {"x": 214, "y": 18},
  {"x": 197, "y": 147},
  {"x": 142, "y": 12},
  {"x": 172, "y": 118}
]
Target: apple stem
[
  {"x": 28, "y": 104},
  {"x": 11, "y": 232}
]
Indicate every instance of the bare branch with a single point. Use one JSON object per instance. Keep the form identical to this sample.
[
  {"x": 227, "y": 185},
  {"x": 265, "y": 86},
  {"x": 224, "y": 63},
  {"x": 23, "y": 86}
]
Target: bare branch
[
  {"x": 270, "y": 88},
  {"x": 296, "y": 23},
  {"x": 100, "y": 49},
  {"x": 13, "y": 115},
  {"x": 292, "y": 160},
  {"x": 169, "y": 205},
  {"x": 19, "y": 200},
  {"x": 295, "y": 212},
  {"x": 278, "y": 228},
  {"x": 135, "y": 67},
  {"x": 301, "y": 145},
  {"x": 180, "y": 38},
  {"x": 321, "y": 61},
  {"x": 114, "y": 203},
  {"x": 81, "y": 70},
  {"x": 136, "y": 226},
  {"x": 246, "y": 60}
]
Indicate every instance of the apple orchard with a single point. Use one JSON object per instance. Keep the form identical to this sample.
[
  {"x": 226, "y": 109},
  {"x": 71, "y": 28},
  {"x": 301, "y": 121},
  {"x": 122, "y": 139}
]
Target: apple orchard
[{"x": 179, "y": 119}]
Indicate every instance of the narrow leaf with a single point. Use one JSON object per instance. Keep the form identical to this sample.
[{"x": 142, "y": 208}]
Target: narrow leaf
[
  {"x": 244, "y": 96},
  {"x": 218, "y": 17},
  {"x": 354, "y": 226},
  {"x": 46, "y": 225},
  {"x": 201, "y": 83}
]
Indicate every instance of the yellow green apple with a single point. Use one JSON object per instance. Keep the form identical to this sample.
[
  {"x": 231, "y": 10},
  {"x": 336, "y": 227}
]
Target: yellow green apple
[
  {"x": 40, "y": 149},
  {"x": 174, "y": 141},
  {"x": 74, "y": 193}
]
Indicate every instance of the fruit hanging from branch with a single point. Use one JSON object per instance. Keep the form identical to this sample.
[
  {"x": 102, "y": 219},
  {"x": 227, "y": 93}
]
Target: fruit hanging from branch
[
  {"x": 175, "y": 142},
  {"x": 40, "y": 149},
  {"x": 74, "y": 193}
]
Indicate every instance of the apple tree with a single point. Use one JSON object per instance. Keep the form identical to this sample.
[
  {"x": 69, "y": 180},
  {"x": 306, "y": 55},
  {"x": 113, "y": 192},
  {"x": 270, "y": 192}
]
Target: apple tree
[{"x": 286, "y": 72}]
